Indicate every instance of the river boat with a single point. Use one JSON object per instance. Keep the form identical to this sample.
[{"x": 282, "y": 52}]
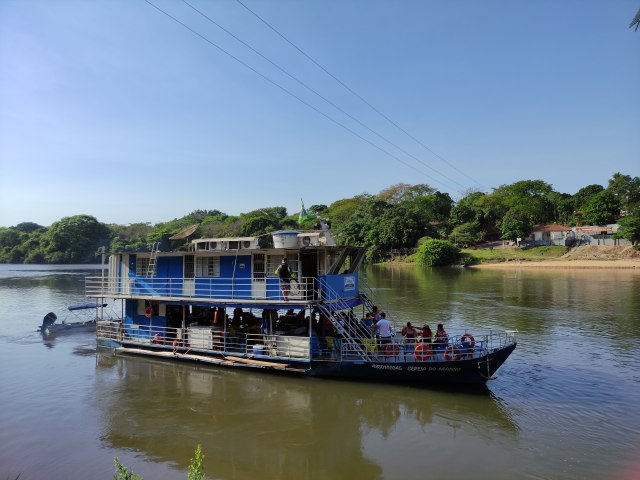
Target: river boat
[
  {"x": 221, "y": 302},
  {"x": 83, "y": 320}
]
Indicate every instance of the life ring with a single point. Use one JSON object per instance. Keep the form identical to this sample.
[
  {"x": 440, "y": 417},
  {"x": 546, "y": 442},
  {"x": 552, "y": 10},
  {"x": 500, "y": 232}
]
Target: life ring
[
  {"x": 472, "y": 341},
  {"x": 452, "y": 353},
  {"x": 422, "y": 352},
  {"x": 148, "y": 312},
  {"x": 392, "y": 349}
]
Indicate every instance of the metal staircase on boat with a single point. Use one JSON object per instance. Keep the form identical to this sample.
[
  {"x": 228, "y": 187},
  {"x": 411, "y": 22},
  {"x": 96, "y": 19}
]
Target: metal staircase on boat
[{"x": 351, "y": 330}]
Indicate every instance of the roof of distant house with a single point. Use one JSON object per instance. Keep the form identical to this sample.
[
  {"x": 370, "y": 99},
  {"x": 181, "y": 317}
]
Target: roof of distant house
[{"x": 550, "y": 228}]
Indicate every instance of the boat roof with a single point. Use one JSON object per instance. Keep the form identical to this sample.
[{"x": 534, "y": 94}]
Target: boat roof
[{"x": 85, "y": 306}]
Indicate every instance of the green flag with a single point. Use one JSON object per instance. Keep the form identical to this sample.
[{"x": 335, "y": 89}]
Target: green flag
[{"x": 304, "y": 216}]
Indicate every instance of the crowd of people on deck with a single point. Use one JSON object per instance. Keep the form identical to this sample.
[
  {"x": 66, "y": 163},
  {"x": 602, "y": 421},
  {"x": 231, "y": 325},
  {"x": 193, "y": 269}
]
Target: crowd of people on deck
[{"x": 375, "y": 331}]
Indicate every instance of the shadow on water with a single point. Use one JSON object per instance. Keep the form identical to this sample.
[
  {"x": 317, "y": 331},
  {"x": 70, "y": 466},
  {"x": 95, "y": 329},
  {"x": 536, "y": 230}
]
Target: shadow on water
[{"x": 254, "y": 424}]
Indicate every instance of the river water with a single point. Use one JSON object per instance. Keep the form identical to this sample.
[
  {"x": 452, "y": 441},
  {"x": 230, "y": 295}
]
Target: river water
[{"x": 564, "y": 406}]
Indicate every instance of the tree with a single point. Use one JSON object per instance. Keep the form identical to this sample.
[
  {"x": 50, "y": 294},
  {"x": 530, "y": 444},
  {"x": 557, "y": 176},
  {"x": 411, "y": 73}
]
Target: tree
[
  {"x": 601, "y": 209},
  {"x": 531, "y": 196},
  {"x": 28, "y": 227},
  {"x": 403, "y": 192},
  {"x": 626, "y": 190},
  {"x": 582, "y": 196},
  {"x": 515, "y": 224},
  {"x": 467, "y": 234},
  {"x": 437, "y": 252},
  {"x": 75, "y": 239},
  {"x": 630, "y": 229}
]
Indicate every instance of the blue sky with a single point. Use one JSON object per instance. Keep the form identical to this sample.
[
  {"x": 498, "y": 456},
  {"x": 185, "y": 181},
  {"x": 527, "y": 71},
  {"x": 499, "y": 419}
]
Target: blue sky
[{"x": 113, "y": 109}]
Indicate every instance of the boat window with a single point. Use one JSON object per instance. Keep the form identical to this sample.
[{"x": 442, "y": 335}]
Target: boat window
[
  {"x": 142, "y": 265},
  {"x": 207, "y": 266},
  {"x": 273, "y": 261}
]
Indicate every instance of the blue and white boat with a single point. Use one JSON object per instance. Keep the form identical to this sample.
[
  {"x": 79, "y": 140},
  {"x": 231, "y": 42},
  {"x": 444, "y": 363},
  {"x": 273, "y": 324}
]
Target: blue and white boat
[
  {"x": 83, "y": 316},
  {"x": 221, "y": 303}
]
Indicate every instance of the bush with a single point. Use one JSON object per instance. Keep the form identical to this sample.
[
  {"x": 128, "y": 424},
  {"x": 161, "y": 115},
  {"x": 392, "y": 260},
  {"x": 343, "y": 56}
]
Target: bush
[{"x": 437, "y": 252}]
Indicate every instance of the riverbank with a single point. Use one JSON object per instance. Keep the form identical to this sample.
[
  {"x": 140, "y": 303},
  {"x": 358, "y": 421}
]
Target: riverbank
[
  {"x": 563, "y": 264},
  {"x": 587, "y": 256}
]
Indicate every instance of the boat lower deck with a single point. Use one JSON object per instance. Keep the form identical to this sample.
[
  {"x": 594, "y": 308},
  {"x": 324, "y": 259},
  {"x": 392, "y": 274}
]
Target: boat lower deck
[{"x": 225, "y": 360}]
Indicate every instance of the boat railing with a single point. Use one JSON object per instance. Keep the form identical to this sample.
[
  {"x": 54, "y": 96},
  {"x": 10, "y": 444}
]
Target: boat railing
[
  {"x": 401, "y": 349},
  {"x": 207, "y": 339},
  {"x": 212, "y": 288},
  {"x": 278, "y": 345}
]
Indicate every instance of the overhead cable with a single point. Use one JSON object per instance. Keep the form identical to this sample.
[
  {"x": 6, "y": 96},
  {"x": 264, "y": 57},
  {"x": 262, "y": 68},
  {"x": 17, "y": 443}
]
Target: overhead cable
[{"x": 349, "y": 89}]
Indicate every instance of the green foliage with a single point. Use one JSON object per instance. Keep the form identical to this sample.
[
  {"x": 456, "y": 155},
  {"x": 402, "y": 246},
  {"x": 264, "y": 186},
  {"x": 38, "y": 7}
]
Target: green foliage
[
  {"x": 467, "y": 234},
  {"x": 626, "y": 190},
  {"x": 75, "y": 239},
  {"x": 28, "y": 227},
  {"x": 437, "y": 252},
  {"x": 630, "y": 229},
  {"x": 582, "y": 196},
  {"x": 601, "y": 209},
  {"x": 196, "y": 471},
  {"x": 515, "y": 224},
  {"x": 122, "y": 473},
  {"x": 397, "y": 217}
]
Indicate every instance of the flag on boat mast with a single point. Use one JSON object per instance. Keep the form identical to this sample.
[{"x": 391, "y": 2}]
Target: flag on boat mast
[{"x": 304, "y": 216}]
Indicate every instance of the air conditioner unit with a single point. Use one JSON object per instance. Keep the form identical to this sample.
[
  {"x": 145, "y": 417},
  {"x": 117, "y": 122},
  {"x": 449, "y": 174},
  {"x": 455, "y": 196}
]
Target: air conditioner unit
[{"x": 308, "y": 240}]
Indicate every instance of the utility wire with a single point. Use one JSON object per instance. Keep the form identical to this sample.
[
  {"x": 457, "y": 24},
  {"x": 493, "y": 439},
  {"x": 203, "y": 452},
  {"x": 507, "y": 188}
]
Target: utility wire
[
  {"x": 274, "y": 83},
  {"x": 320, "y": 95},
  {"x": 356, "y": 94}
]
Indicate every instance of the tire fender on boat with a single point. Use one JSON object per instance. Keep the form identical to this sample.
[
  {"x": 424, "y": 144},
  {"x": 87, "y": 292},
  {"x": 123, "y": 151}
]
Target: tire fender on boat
[
  {"x": 148, "y": 312},
  {"x": 392, "y": 349},
  {"x": 452, "y": 353}
]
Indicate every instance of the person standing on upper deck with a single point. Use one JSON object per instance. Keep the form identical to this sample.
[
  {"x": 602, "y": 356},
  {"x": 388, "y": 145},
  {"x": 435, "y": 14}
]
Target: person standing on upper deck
[{"x": 284, "y": 273}]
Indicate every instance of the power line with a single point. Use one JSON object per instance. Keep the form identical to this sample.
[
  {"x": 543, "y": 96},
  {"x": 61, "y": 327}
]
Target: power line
[
  {"x": 319, "y": 95},
  {"x": 288, "y": 92},
  {"x": 356, "y": 94}
]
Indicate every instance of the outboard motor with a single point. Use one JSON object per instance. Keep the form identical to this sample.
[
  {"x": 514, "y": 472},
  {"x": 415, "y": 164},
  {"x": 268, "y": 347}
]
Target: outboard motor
[{"x": 48, "y": 320}]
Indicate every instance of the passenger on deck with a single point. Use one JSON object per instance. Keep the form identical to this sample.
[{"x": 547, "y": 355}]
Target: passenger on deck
[
  {"x": 442, "y": 339},
  {"x": 409, "y": 333},
  {"x": 367, "y": 324},
  {"x": 384, "y": 330},
  {"x": 426, "y": 334},
  {"x": 284, "y": 273}
]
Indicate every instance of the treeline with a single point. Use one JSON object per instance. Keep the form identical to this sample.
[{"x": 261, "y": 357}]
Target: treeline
[{"x": 397, "y": 217}]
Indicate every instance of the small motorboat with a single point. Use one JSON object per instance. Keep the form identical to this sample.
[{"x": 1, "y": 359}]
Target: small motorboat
[{"x": 81, "y": 323}]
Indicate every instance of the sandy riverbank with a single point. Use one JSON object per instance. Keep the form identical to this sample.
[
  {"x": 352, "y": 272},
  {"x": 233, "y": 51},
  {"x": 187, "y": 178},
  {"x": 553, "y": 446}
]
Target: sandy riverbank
[{"x": 565, "y": 264}]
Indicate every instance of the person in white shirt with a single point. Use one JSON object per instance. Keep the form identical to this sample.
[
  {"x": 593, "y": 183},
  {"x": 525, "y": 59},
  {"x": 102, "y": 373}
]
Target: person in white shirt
[{"x": 384, "y": 330}]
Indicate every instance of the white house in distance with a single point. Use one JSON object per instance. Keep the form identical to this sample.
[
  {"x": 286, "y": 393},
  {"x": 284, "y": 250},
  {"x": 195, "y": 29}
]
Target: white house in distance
[
  {"x": 549, "y": 235},
  {"x": 571, "y": 237}
]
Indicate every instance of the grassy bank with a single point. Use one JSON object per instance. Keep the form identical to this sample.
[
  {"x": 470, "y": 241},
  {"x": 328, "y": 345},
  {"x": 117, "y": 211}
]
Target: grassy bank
[{"x": 498, "y": 255}]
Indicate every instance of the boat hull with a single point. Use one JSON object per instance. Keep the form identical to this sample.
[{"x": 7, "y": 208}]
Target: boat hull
[{"x": 473, "y": 371}]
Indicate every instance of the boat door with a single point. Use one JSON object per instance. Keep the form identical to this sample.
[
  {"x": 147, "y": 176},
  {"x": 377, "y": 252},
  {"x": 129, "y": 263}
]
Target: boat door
[
  {"x": 189, "y": 282},
  {"x": 259, "y": 288},
  {"x": 309, "y": 272}
]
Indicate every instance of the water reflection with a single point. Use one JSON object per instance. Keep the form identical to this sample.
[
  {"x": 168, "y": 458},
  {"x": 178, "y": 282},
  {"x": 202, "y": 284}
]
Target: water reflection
[{"x": 256, "y": 424}]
